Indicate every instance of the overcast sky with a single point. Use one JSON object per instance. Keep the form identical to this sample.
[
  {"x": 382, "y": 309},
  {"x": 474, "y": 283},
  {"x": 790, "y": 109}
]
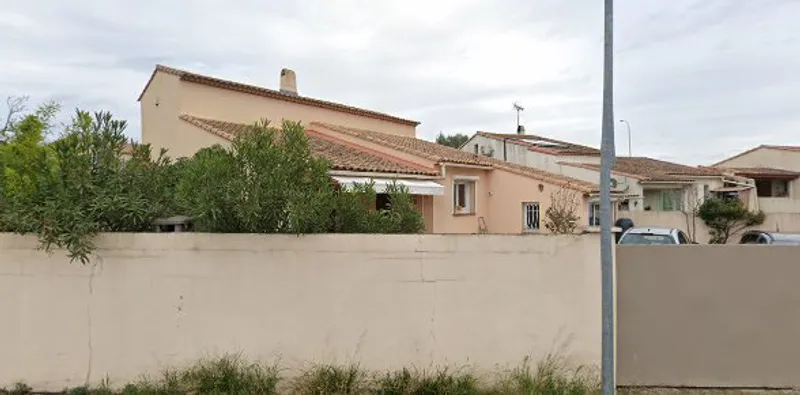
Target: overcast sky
[{"x": 697, "y": 79}]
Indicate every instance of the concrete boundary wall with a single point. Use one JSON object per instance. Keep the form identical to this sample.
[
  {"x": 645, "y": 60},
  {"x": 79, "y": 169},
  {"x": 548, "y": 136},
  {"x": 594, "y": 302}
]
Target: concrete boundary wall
[
  {"x": 708, "y": 316},
  {"x": 149, "y": 301}
]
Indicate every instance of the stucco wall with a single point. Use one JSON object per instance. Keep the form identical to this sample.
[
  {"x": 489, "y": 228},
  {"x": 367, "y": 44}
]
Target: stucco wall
[
  {"x": 226, "y": 105},
  {"x": 764, "y": 157},
  {"x": 159, "y": 109},
  {"x": 154, "y": 300},
  {"x": 708, "y": 316},
  {"x": 509, "y": 191},
  {"x": 444, "y": 220}
]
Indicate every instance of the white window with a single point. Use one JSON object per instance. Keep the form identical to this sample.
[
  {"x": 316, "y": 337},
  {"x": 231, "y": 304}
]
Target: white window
[
  {"x": 594, "y": 214},
  {"x": 464, "y": 197},
  {"x": 530, "y": 216}
]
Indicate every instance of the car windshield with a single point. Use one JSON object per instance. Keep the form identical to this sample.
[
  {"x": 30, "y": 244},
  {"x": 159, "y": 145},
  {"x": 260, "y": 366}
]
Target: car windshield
[{"x": 646, "y": 238}]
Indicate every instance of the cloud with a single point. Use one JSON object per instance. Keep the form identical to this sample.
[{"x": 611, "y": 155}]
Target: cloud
[{"x": 697, "y": 79}]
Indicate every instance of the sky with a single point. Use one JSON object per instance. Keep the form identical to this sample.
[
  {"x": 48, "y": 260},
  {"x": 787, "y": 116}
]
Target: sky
[{"x": 698, "y": 80}]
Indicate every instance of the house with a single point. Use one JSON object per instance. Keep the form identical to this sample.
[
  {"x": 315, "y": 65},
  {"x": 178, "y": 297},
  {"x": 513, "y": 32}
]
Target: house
[
  {"x": 456, "y": 191},
  {"x": 775, "y": 171},
  {"x": 642, "y": 184}
]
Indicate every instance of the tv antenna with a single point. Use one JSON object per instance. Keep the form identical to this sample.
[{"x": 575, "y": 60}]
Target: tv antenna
[{"x": 518, "y": 109}]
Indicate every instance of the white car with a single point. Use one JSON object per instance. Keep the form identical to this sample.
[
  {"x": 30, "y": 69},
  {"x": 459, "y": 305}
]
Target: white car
[{"x": 648, "y": 236}]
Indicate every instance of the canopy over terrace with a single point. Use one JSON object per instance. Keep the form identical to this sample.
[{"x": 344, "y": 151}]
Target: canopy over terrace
[{"x": 414, "y": 187}]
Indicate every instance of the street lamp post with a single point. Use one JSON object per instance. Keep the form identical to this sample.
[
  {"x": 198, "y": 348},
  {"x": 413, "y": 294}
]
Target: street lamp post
[
  {"x": 628, "y": 124},
  {"x": 606, "y": 163}
]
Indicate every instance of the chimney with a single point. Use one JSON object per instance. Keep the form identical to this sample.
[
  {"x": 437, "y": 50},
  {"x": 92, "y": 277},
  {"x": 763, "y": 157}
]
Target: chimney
[{"x": 288, "y": 82}]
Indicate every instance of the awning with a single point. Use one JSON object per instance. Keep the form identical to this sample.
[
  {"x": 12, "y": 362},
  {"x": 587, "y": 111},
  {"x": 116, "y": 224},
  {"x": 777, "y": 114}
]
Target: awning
[{"x": 415, "y": 187}]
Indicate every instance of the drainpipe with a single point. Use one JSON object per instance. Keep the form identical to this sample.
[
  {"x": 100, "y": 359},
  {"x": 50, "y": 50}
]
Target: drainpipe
[{"x": 505, "y": 156}]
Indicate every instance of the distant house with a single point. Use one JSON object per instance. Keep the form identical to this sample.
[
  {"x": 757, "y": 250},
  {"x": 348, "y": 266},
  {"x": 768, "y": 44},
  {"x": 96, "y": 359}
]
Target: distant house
[
  {"x": 642, "y": 184},
  {"x": 456, "y": 191},
  {"x": 775, "y": 170}
]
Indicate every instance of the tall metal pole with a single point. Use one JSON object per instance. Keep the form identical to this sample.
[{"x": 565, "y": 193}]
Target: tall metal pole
[
  {"x": 628, "y": 124},
  {"x": 606, "y": 244}
]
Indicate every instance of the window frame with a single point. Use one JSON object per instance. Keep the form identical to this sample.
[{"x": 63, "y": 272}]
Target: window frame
[
  {"x": 594, "y": 213},
  {"x": 470, "y": 196},
  {"x": 670, "y": 195},
  {"x": 537, "y": 214}
]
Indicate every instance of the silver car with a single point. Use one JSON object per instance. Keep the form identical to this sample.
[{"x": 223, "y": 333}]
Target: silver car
[
  {"x": 649, "y": 236},
  {"x": 760, "y": 237}
]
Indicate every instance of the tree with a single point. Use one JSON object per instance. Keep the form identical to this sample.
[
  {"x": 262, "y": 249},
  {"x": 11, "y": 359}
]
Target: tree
[
  {"x": 71, "y": 189},
  {"x": 561, "y": 217},
  {"x": 453, "y": 140},
  {"x": 727, "y": 216},
  {"x": 79, "y": 185},
  {"x": 15, "y": 112},
  {"x": 268, "y": 182},
  {"x": 690, "y": 207}
]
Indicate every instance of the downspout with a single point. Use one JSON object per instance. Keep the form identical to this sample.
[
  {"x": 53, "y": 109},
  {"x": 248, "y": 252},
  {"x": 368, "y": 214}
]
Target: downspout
[{"x": 505, "y": 156}]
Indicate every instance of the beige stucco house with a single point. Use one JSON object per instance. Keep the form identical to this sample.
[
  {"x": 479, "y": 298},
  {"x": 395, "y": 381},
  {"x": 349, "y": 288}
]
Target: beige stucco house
[
  {"x": 775, "y": 171},
  {"x": 457, "y": 192}
]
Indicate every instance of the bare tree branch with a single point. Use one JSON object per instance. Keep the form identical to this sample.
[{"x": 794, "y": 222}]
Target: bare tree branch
[
  {"x": 16, "y": 105},
  {"x": 561, "y": 217}
]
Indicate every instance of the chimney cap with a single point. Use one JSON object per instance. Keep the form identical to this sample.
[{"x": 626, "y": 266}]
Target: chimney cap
[{"x": 288, "y": 82}]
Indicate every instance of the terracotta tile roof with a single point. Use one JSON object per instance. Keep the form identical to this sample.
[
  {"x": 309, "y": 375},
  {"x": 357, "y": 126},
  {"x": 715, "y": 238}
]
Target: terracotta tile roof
[
  {"x": 648, "y": 169},
  {"x": 543, "y": 144},
  {"x": 763, "y": 172},
  {"x": 274, "y": 94},
  {"x": 410, "y": 145},
  {"x": 341, "y": 155},
  {"x": 443, "y": 154}
]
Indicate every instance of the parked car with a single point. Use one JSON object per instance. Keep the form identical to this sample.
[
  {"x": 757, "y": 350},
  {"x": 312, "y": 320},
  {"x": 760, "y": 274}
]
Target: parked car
[
  {"x": 761, "y": 237},
  {"x": 654, "y": 236}
]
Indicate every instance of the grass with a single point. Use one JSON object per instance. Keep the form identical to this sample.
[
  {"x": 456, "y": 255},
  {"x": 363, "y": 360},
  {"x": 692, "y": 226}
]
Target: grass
[{"x": 230, "y": 374}]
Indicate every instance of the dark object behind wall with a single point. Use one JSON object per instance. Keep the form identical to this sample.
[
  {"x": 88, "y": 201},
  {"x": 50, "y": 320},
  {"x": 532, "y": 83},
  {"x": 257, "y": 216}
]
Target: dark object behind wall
[
  {"x": 178, "y": 223},
  {"x": 624, "y": 224}
]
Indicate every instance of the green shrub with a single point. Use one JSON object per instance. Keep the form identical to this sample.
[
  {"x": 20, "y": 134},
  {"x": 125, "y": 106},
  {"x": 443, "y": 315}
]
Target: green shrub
[
  {"x": 230, "y": 374},
  {"x": 70, "y": 190},
  {"x": 442, "y": 381},
  {"x": 726, "y": 217},
  {"x": 552, "y": 376},
  {"x": 331, "y": 380}
]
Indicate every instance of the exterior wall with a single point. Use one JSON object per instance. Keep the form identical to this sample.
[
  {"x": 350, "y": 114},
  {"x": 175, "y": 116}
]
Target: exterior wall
[
  {"x": 444, "y": 219},
  {"x": 157, "y": 300},
  {"x": 425, "y": 206},
  {"x": 226, "y": 105},
  {"x": 160, "y": 105},
  {"x": 507, "y": 193},
  {"x": 514, "y": 153},
  {"x": 779, "y": 205},
  {"x": 764, "y": 157},
  {"x": 708, "y": 316}
]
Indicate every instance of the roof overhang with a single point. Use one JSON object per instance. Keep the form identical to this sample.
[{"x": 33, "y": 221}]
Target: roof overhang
[
  {"x": 661, "y": 182},
  {"x": 768, "y": 176},
  {"x": 731, "y": 189},
  {"x": 415, "y": 187}
]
